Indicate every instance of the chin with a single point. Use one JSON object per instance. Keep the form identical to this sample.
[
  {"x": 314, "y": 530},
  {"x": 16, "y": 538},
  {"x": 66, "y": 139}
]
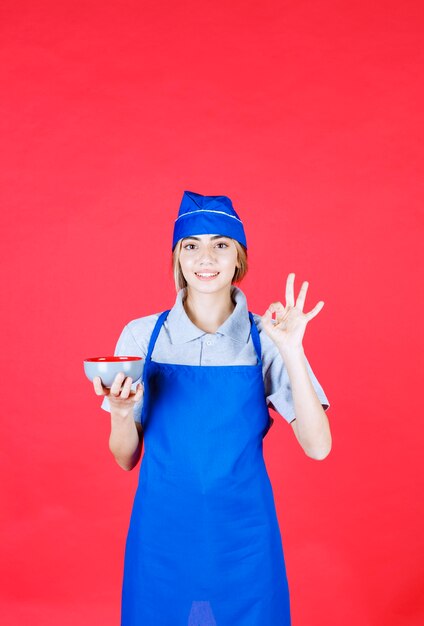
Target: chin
[{"x": 207, "y": 286}]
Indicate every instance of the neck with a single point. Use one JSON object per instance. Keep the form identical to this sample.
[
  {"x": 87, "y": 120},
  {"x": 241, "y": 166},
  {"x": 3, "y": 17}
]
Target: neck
[{"x": 208, "y": 311}]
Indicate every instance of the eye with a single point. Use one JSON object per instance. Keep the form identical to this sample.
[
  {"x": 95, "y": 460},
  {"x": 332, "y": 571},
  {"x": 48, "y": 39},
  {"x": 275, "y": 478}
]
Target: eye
[
  {"x": 221, "y": 243},
  {"x": 187, "y": 246}
]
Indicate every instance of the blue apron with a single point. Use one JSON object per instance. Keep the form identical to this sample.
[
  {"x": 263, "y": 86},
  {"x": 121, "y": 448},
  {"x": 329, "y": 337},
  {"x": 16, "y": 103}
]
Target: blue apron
[{"x": 204, "y": 546}]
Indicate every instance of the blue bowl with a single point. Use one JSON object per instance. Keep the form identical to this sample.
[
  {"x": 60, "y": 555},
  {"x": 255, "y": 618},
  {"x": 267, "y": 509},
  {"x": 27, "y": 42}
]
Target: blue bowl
[{"x": 108, "y": 366}]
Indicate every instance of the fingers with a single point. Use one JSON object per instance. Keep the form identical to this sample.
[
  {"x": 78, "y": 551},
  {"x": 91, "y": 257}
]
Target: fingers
[
  {"x": 300, "y": 302},
  {"x": 121, "y": 388},
  {"x": 317, "y": 308},
  {"x": 290, "y": 289},
  {"x": 126, "y": 388},
  {"x": 267, "y": 321},
  {"x": 98, "y": 387},
  {"x": 116, "y": 386},
  {"x": 139, "y": 392},
  {"x": 278, "y": 308}
]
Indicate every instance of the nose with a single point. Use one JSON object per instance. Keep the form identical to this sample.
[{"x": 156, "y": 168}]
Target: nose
[{"x": 206, "y": 256}]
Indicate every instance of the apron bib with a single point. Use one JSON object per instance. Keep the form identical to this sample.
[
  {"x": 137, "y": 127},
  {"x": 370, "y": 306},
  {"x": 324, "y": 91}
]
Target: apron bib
[{"x": 204, "y": 546}]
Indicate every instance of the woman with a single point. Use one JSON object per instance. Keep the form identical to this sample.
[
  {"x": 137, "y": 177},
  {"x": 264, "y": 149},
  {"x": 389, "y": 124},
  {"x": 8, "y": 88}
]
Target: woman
[{"x": 204, "y": 547}]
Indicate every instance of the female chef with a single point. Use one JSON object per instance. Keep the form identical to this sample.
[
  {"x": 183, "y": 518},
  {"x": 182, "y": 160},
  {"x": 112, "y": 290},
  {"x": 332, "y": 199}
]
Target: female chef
[{"x": 204, "y": 546}]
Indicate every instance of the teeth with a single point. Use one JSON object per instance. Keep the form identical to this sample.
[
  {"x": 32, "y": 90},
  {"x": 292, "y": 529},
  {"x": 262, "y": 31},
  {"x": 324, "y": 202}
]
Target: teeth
[{"x": 206, "y": 275}]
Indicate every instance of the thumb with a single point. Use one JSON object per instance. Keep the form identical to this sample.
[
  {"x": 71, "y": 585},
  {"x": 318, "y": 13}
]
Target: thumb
[{"x": 267, "y": 320}]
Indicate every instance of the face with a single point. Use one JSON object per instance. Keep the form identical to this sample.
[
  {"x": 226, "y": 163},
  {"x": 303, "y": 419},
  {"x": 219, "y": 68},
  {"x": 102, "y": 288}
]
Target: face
[{"x": 208, "y": 254}]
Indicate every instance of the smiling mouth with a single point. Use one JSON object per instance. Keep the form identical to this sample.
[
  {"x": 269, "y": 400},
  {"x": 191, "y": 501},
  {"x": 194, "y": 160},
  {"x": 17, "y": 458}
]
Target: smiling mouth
[{"x": 206, "y": 275}]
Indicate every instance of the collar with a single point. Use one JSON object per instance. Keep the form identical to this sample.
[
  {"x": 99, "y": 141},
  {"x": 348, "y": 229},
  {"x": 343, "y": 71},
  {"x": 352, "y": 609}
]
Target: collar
[{"x": 236, "y": 326}]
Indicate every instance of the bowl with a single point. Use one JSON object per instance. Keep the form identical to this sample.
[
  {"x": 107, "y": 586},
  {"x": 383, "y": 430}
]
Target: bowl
[{"x": 108, "y": 366}]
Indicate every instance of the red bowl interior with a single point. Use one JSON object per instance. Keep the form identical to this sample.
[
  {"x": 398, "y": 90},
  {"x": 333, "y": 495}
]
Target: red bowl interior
[{"x": 100, "y": 359}]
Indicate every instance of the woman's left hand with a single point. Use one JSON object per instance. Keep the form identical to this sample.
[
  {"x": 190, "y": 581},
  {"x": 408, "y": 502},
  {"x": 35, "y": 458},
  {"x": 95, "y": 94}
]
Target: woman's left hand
[{"x": 289, "y": 327}]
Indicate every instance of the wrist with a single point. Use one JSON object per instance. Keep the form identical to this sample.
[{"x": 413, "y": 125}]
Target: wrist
[
  {"x": 291, "y": 353},
  {"x": 121, "y": 415}
]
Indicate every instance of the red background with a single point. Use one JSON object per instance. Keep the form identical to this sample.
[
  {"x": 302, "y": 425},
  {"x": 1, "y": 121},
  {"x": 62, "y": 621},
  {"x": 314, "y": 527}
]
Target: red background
[{"x": 308, "y": 115}]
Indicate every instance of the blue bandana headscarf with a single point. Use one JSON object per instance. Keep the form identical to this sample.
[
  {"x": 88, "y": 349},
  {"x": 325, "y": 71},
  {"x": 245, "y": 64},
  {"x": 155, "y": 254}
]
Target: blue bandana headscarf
[{"x": 207, "y": 215}]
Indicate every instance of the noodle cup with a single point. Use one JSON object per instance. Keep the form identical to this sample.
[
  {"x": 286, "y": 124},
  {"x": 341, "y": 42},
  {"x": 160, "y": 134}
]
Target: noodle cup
[{"x": 107, "y": 367}]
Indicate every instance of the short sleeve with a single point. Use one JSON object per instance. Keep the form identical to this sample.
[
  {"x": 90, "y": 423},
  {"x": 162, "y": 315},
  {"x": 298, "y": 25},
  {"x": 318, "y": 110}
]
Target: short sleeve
[
  {"x": 128, "y": 346},
  {"x": 277, "y": 382}
]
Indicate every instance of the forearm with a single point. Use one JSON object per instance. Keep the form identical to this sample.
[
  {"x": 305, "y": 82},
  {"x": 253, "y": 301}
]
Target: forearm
[
  {"x": 124, "y": 441},
  {"x": 312, "y": 423}
]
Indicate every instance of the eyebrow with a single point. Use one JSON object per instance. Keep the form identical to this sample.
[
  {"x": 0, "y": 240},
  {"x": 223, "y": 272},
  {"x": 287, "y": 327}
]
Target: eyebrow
[{"x": 213, "y": 237}]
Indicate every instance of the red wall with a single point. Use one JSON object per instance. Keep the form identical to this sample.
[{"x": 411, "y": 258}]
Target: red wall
[{"x": 309, "y": 116}]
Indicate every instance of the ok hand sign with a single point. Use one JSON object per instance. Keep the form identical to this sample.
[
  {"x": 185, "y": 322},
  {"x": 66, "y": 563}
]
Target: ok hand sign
[{"x": 290, "y": 323}]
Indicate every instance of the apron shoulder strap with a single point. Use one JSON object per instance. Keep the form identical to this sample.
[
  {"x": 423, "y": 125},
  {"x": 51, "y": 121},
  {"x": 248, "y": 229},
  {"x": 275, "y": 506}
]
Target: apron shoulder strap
[
  {"x": 255, "y": 337},
  {"x": 162, "y": 317}
]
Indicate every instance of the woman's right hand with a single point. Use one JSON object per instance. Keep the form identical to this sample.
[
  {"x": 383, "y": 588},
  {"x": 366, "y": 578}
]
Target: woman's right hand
[{"x": 120, "y": 395}]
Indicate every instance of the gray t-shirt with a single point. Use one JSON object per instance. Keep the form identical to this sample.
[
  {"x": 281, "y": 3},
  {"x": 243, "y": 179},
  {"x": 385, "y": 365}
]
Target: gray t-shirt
[{"x": 182, "y": 342}]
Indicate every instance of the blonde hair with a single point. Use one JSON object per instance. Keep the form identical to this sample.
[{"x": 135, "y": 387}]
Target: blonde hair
[{"x": 239, "y": 274}]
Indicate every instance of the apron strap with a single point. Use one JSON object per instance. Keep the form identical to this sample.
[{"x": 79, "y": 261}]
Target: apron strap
[
  {"x": 162, "y": 317},
  {"x": 255, "y": 337}
]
